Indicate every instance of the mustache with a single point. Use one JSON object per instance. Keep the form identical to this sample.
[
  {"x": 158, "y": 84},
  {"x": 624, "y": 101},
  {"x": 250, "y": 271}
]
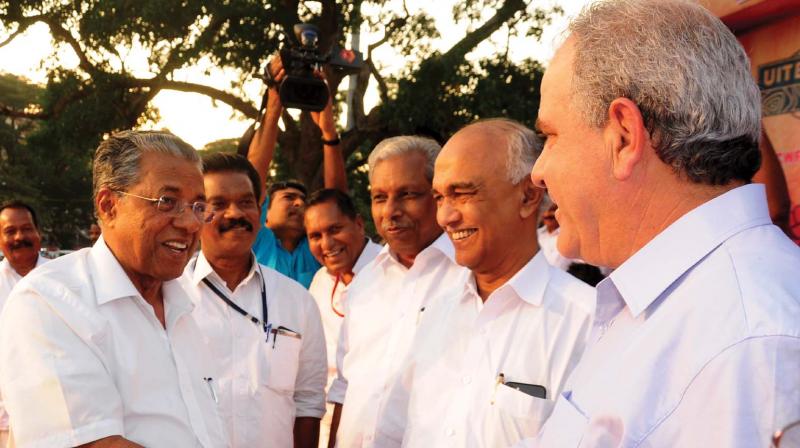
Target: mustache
[
  {"x": 230, "y": 224},
  {"x": 386, "y": 225},
  {"x": 21, "y": 244}
]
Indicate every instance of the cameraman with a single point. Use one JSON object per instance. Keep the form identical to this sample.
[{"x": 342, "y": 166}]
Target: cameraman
[{"x": 282, "y": 243}]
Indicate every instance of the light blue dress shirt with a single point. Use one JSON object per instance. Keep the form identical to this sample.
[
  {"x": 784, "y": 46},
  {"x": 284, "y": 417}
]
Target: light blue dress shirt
[
  {"x": 298, "y": 264},
  {"x": 696, "y": 340}
]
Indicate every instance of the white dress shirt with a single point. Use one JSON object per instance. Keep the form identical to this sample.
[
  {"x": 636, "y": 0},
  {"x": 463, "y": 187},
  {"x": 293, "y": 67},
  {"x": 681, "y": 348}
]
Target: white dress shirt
[
  {"x": 8, "y": 278},
  {"x": 548, "y": 244},
  {"x": 328, "y": 299},
  {"x": 83, "y": 356},
  {"x": 264, "y": 382},
  {"x": 533, "y": 330},
  {"x": 697, "y": 338},
  {"x": 327, "y": 292},
  {"x": 382, "y": 310}
]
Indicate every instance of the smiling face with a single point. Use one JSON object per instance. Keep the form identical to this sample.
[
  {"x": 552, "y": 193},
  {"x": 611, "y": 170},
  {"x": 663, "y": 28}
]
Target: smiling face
[
  {"x": 153, "y": 246},
  {"x": 574, "y": 165},
  {"x": 19, "y": 239},
  {"x": 402, "y": 205},
  {"x": 335, "y": 239},
  {"x": 233, "y": 230},
  {"x": 478, "y": 206}
]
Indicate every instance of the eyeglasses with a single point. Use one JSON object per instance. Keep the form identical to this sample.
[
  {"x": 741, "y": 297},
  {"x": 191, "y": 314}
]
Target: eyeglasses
[{"x": 174, "y": 206}]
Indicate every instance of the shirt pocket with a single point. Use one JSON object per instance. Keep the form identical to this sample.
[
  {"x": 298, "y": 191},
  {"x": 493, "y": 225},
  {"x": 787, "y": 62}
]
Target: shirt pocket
[
  {"x": 567, "y": 424},
  {"x": 283, "y": 357},
  {"x": 520, "y": 413}
]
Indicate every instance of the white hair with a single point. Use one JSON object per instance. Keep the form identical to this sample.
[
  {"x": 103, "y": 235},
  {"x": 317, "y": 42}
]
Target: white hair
[
  {"x": 522, "y": 146},
  {"x": 117, "y": 160},
  {"x": 685, "y": 71},
  {"x": 405, "y": 144}
]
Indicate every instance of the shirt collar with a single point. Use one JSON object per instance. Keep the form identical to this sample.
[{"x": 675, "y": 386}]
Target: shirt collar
[
  {"x": 685, "y": 242},
  {"x": 529, "y": 283},
  {"x": 5, "y": 265},
  {"x": 203, "y": 269},
  {"x": 369, "y": 252},
  {"x": 111, "y": 283},
  {"x": 441, "y": 245},
  {"x": 109, "y": 279}
]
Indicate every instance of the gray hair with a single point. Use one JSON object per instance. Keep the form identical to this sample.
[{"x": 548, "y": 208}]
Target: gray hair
[
  {"x": 405, "y": 144},
  {"x": 523, "y": 146},
  {"x": 687, "y": 74},
  {"x": 117, "y": 159}
]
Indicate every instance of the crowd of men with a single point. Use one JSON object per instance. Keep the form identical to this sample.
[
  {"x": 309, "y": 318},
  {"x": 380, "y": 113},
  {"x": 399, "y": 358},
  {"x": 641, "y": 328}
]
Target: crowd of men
[{"x": 289, "y": 327}]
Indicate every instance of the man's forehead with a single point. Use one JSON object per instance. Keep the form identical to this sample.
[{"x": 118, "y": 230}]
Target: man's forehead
[
  {"x": 290, "y": 191},
  {"x": 15, "y": 216},
  {"x": 558, "y": 75}
]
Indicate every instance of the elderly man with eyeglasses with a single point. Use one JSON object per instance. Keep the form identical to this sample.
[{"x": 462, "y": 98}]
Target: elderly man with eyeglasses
[{"x": 98, "y": 348}]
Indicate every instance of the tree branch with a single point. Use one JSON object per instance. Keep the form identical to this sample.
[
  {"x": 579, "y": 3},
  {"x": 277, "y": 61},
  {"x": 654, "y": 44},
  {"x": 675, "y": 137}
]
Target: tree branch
[
  {"x": 471, "y": 40},
  {"x": 180, "y": 54},
  {"x": 24, "y": 24},
  {"x": 59, "y": 32},
  {"x": 243, "y": 106}
]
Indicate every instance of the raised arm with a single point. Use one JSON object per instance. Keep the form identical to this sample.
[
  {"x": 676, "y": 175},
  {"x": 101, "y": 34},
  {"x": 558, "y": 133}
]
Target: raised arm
[
  {"x": 262, "y": 146},
  {"x": 333, "y": 161}
]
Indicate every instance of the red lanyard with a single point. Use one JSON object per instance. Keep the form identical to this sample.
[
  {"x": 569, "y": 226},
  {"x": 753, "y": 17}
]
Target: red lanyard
[{"x": 338, "y": 277}]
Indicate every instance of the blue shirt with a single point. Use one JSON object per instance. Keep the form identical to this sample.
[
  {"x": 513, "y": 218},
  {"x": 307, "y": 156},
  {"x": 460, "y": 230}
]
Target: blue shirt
[
  {"x": 298, "y": 265},
  {"x": 696, "y": 338}
]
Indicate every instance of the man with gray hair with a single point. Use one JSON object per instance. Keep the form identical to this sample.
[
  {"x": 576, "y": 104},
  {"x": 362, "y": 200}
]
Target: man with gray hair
[
  {"x": 386, "y": 301},
  {"x": 98, "y": 348},
  {"x": 652, "y": 124},
  {"x": 500, "y": 345}
]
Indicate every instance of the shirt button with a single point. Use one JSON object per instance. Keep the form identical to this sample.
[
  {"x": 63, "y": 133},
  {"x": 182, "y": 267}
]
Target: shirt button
[
  {"x": 466, "y": 379},
  {"x": 450, "y": 432}
]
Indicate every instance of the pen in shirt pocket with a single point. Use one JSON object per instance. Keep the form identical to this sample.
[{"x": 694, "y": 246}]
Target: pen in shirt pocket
[
  {"x": 419, "y": 314},
  {"x": 210, "y": 383}
]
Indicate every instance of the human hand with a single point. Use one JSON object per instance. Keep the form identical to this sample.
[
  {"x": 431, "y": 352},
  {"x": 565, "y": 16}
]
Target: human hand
[{"x": 324, "y": 119}]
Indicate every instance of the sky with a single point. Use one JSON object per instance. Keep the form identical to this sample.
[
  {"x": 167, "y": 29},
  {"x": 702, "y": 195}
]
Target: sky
[{"x": 198, "y": 120}]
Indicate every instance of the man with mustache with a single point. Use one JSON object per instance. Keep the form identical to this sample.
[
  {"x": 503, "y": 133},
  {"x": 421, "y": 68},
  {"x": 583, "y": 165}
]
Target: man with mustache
[
  {"x": 262, "y": 328},
  {"x": 501, "y": 345},
  {"x": 20, "y": 243},
  {"x": 387, "y": 300},
  {"x": 98, "y": 348},
  {"x": 336, "y": 237},
  {"x": 281, "y": 242}
]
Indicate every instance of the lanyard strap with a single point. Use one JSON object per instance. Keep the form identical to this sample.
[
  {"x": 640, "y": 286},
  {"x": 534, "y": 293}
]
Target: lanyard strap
[
  {"x": 333, "y": 293},
  {"x": 238, "y": 309}
]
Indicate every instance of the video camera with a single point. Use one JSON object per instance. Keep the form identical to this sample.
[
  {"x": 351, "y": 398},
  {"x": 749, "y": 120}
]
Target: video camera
[{"x": 301, "y": 56}]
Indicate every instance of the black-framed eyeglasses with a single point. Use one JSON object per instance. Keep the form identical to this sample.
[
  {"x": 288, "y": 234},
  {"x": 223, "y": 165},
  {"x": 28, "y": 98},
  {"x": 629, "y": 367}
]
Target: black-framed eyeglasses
[{"x": 174, "y": 206}]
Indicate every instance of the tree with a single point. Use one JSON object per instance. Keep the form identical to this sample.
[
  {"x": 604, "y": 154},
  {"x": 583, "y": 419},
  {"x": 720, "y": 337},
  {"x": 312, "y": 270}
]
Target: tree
[{"x": 109, "y": 90}]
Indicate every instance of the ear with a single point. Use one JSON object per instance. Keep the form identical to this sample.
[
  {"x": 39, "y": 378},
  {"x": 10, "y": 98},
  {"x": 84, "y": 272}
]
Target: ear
[
  {"x": 360, "y": 223},
  {"x": 106, "y": 204},
  {"x": 531, "y": 198},
  {"x": 626, "y": 135}
]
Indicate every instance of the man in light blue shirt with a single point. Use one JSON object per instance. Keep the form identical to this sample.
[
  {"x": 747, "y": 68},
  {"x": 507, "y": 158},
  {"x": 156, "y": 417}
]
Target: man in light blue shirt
[
  {"x": 281, "y": 242},
  {"x": 652, "y": 121}
]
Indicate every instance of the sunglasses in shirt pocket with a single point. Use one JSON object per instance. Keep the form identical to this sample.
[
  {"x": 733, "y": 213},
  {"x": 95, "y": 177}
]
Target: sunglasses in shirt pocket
[{"x": 282, "y": 353}]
